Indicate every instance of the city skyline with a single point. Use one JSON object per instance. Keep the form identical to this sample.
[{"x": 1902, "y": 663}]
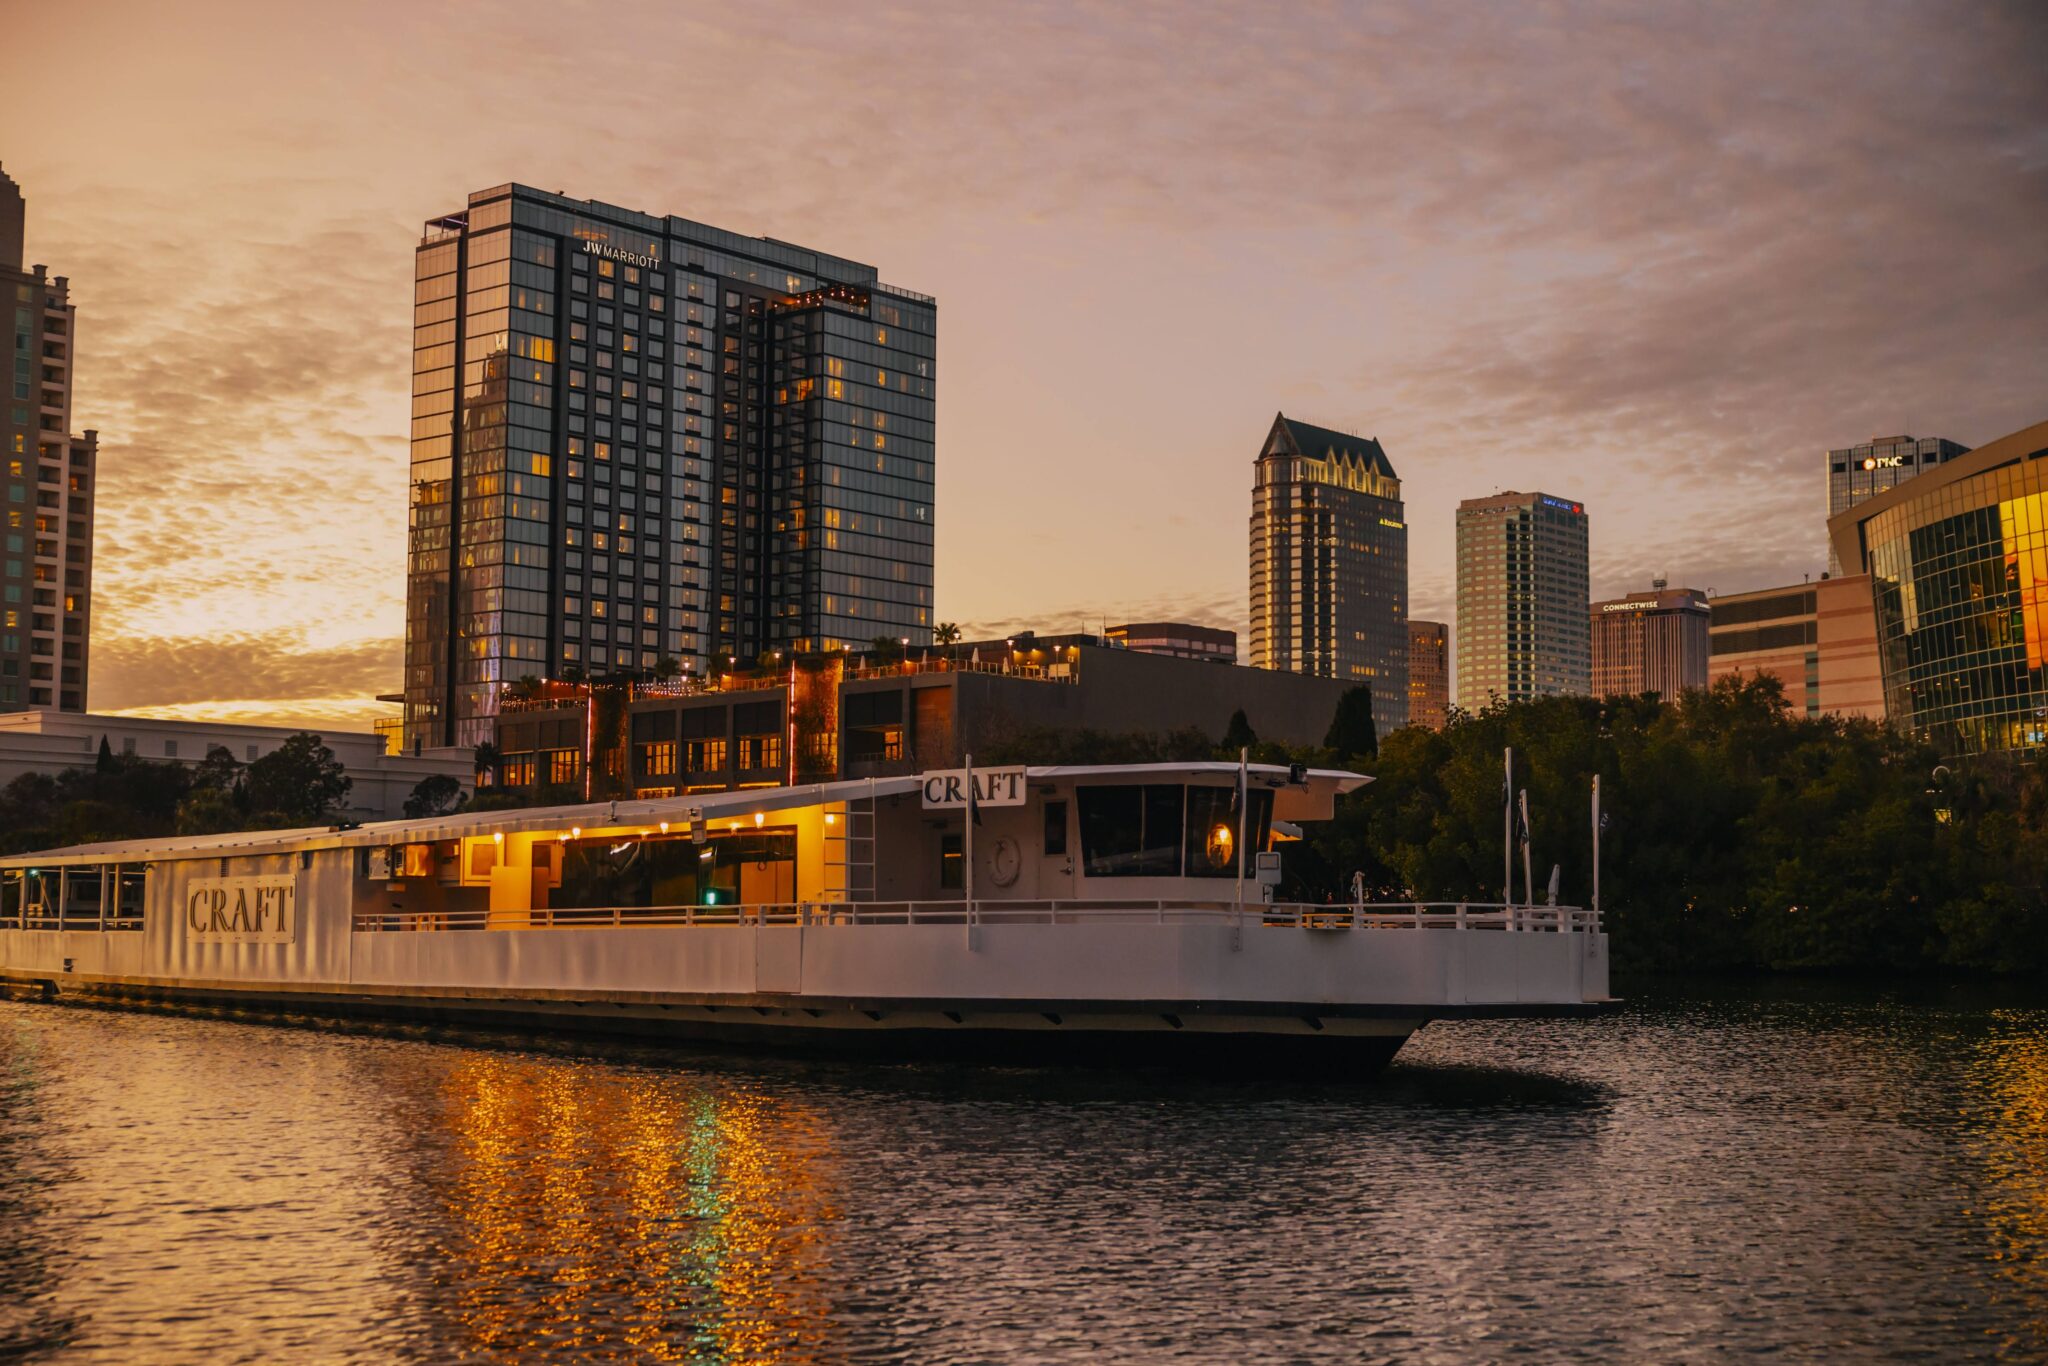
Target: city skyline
[{"x": 1508, "y": 290}]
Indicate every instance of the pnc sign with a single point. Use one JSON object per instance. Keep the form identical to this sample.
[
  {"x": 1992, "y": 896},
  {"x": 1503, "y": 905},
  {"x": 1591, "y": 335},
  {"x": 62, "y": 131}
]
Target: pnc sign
[
  {"x": 1883, "y": 462},
  {"x": 243, "y": 910},
  {"x": 946, "y": 789}
]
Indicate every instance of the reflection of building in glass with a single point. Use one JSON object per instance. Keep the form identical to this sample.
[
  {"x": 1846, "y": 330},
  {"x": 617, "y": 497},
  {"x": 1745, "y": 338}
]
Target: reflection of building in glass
[
  {"x": 45, "y": 622},
  {"x": 1429, "y": 673},
  {"x": 641, "y": 443},
  {"x": 1650, "y": 642},
  {"x": 1521, "y": 599},
  {"x": 1329, "y": 563},
  {"x": 1859, "y": 472},
  {"x": 1958, "y": 565}
]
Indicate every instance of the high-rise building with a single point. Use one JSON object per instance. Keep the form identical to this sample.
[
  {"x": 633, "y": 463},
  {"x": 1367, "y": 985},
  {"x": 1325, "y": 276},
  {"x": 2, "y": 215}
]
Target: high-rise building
[
  {"x": 1329, "y": 563},
  {"x": 639, "y": 439},
  {"x": 1819, "y": 640},
  {"x": 52, "y": 475},
  {"x": 1650, "y": 642},
  {"x": 1429, "y": 673},
  {"x": 1859, "y": 472},
  {"x": 1521, "y": 599}
]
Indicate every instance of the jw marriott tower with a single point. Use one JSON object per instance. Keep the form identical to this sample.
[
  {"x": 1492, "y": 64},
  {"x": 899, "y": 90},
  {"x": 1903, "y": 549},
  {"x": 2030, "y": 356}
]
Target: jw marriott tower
[
  {"x": 641, "y": 443},
  {"x": 1329, "y": 563}
]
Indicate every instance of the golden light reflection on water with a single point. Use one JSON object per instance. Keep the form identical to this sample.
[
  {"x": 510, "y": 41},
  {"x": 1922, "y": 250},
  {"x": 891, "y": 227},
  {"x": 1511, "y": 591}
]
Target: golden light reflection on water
[
  {"x": 2011, "y": 1071},
  {"x": 633, "y": 1216}
]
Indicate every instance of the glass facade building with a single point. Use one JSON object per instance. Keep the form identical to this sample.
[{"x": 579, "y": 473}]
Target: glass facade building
[
  {"x": 1856, "y": 473},
  {"x": 1522, "y": 598},
  {"x": 46, "y": 573},
  {"x": 1958, "y": 563},
  {"x": 1329, "y": 563},
  {"x": 641, "y": 443}
]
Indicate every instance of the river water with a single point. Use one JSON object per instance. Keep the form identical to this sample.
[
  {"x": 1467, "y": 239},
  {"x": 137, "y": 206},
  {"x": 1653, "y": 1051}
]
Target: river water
[{"x": 1824, "y": 1176}]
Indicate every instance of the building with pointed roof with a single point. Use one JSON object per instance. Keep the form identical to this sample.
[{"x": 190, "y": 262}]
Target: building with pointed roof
[{"x": 1329, "y": 563}]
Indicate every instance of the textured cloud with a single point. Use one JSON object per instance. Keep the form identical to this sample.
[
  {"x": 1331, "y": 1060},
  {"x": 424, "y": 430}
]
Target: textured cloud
[{"x": 1655, "y": 257}]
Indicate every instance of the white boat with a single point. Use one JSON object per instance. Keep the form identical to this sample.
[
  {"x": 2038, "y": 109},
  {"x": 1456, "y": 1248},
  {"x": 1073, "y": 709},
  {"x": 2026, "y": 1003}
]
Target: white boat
[{"x": 1082, "y": 909}]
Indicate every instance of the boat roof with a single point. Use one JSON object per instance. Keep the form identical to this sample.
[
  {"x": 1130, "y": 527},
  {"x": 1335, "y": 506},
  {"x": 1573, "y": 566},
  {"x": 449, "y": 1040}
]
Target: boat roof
[{"x": 1307, "y": 801}]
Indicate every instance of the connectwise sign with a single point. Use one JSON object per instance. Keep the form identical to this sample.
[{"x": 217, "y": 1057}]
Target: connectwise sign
[{"x": 243, "y": 910}]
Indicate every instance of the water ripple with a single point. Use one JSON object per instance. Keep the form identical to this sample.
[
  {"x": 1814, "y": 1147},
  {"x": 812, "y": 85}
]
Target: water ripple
[{"x": 1811, "y": 1175}]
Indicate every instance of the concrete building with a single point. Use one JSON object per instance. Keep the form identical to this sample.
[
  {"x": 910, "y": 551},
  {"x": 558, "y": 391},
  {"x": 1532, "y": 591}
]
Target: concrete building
[
  {"x": 53, "y": 741},
  {"x": 1817, "y": 639},
  {"x": 1522, "y": 595},
  {"x": 1429, "y": 673},
  {"x": 1182, "y": 640},
  {"x": 639, "y": 438},
  {"x": 1958, "y": 575},
  {"x": 52, "y": 475},
  {"x": 1857, "y": 473},
  {"x": 846, "y": 716},
  {"x": 1653, "y": 642},
  {"x": 1329, "y": 563}
]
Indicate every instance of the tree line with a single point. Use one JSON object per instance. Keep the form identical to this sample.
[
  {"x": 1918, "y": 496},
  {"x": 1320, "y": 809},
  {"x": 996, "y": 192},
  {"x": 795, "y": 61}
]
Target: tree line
[
  {"x": 125, "y": 796},
  {"x": 1737, "y": 834}
]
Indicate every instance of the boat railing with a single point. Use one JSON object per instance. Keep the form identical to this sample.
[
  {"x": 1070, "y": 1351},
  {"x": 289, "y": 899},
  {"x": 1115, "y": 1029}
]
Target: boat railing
[
  {"x": 1445, "y": 915},
  {"x": 47, "y": 918}
]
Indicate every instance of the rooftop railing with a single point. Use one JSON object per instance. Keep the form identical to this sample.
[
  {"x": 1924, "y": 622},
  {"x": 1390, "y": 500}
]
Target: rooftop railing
[{"x": 1441, "y": 915}]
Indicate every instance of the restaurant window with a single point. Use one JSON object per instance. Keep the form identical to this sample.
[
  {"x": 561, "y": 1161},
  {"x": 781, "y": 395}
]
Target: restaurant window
[
  {"x": 1132, "y": 830},
  {"x": 1212, "y": 834}
]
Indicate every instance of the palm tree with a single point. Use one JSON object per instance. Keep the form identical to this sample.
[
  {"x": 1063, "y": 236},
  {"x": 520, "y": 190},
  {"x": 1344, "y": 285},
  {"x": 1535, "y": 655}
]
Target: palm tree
[{"x": 946, "y": 633}]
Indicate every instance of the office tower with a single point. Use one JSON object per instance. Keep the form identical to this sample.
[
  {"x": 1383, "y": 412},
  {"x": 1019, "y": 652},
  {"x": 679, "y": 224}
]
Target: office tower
[
  {"x": 1429, "y": 673},
  {"x": 1329, "y": 563},
  {"x": 46, "y": 615},
  {"x": 1859, "y": 472},
  {"x": 1819, "y": 640},
  {"x": 641, "y": 444},
  {"x": 1650, "y": 642},
  {"x": 1521, "y": 599}
]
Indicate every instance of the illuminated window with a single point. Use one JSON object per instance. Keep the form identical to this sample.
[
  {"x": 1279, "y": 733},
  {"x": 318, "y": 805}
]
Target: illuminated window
[{"x": 658, "y": 759}]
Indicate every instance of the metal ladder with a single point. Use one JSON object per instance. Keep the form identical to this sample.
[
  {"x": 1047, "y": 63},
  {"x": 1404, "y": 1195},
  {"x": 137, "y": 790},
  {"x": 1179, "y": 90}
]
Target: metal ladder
[{"x": 850, "y": 850}]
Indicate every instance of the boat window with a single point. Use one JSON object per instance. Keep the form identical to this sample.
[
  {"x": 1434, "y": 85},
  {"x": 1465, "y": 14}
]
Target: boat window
[
  {"x": 1055, "y": 827},
  {"x": 128, "y": 889},
  {"x": 1213, "y": 827},
  {"x": 952, "y": 863},
  {"x": 1131, "y": 830},
  {"x": 10, "y": 895}
]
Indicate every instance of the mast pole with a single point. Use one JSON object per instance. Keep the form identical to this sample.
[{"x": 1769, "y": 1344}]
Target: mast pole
[{"x": 1507, "y": 828}]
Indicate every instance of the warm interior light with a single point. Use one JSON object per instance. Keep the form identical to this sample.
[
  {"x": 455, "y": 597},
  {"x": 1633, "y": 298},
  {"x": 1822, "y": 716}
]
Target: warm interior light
[
  {"x": 1221, "y": 842},
  {"x": 576, "y": 832},
  {"x": 664, "y": 827},
  {"x": 497, "y": 837},
  {"x": 831, "y": 819},
  {"x": 759, "y": 817}
]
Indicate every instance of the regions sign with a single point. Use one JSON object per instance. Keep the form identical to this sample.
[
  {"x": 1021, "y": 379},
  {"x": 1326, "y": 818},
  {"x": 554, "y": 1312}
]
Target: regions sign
[
  {"x": 243, "y": 910},
  {"x": 946, "y": 789}
]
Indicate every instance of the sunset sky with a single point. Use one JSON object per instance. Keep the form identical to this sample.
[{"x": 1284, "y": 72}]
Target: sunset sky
[{"x": 1654, "y": 257}]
